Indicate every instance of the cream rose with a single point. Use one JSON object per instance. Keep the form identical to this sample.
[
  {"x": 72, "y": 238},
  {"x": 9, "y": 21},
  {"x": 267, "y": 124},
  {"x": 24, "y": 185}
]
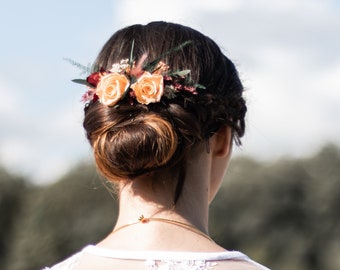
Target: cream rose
[
  {"x": 111, "y": 88},
  {"x": 148, "y": 88}
]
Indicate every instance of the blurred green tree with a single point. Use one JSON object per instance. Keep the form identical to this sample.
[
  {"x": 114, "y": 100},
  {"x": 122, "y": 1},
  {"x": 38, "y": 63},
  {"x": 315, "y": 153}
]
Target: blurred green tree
[
  {"x": 61, "y": 218},
  {"x": 285, "y": 213},
  {"x": 12, "y": 189}
]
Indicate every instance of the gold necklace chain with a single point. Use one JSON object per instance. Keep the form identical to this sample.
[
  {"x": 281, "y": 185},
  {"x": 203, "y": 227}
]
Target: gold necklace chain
[{"x": 144, "y": 220}]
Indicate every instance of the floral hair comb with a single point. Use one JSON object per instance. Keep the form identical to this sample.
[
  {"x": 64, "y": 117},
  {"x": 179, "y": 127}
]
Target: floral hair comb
[{"x": 144, "y": 83}]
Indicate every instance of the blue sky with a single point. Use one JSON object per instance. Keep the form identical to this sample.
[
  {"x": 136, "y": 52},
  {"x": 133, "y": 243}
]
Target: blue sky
[{"x": 287, "y": 53}]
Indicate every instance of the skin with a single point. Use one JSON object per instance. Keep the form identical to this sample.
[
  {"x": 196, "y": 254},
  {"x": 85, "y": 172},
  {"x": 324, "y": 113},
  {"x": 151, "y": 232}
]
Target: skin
[{"x": 205, "y": 172}]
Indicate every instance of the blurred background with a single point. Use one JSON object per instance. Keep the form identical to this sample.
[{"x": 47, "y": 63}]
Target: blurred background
[{"x": 280, "y": 199}]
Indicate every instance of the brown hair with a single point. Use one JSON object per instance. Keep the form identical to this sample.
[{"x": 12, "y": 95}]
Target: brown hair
[{"x": 129, "y": 141}]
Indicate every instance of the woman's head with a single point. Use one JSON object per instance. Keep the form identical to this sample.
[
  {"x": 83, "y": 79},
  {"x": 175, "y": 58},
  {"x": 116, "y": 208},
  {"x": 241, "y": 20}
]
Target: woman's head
[{"x": 132, "y": 138}]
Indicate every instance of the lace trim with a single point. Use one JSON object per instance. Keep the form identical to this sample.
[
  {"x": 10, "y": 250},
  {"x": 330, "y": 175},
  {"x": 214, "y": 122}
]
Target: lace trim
[
  {"x": 165, "y": 260},
  {"x": 179, "y": 265}
]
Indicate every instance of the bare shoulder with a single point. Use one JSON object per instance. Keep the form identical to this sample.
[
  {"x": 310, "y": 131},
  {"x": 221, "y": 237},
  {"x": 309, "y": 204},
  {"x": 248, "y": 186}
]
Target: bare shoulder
[{"x": 237, "y": 265}]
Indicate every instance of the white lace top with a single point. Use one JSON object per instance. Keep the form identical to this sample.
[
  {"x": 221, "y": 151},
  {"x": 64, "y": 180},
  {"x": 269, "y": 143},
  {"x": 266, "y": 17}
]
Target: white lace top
[{"x": 160, "y": 260}]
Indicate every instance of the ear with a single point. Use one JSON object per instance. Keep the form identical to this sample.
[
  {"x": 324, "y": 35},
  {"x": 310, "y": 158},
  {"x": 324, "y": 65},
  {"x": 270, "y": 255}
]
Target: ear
[{"x": 221, "y": 142}]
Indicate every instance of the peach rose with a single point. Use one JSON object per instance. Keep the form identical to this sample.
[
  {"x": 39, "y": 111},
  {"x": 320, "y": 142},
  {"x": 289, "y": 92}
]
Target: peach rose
[
  {"x": 111, "y": 88},
  {"x": 148, "y": 88}
]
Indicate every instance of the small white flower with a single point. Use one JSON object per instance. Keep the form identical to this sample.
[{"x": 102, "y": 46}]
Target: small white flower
[
  {"x": 115, "y": 68},
  {"x": 122, "y": 66}
]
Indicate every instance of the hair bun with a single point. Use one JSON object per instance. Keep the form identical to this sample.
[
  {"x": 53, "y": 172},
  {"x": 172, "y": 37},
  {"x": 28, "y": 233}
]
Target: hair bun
[{"x": 133, "y": 147}]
